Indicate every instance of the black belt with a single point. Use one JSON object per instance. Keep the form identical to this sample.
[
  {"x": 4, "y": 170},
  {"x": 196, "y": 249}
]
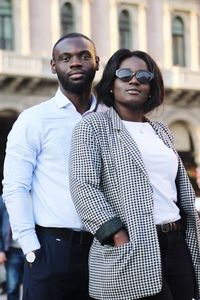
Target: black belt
[
  {"x": 173, "y": 226},
  {"x": 75, "y": 237}
]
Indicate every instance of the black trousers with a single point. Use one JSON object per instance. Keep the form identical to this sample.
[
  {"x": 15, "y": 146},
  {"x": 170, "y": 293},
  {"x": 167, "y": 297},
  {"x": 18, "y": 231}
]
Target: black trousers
[
  {"x": 178, "y": 272},
  {"x": 60, "y": 271}
]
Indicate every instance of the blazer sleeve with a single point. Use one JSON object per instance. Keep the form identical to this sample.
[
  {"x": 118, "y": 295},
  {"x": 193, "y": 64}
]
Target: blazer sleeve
[{"x": 85, "y": 171}]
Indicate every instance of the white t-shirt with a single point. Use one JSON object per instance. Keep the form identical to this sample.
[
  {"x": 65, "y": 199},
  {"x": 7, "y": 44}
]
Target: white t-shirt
[{"x": 161, "y": 164}]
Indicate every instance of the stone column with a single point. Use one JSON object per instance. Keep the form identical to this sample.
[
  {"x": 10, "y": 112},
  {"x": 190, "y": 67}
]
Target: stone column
[
  {"x": 86, "y": 24},
  {"x": 25, "y": 27},
  {"x": 167, "y": 37},
  {"x": 194, "y": 55},
  {"x": 142, "y": 32},
  {"x": 114, "y": 32},
  {"x": 55, "y": 21}
]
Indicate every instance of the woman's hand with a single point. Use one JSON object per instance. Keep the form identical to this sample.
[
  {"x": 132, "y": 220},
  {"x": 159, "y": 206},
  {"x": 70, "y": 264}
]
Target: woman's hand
[{"x": 120, "y": 238}]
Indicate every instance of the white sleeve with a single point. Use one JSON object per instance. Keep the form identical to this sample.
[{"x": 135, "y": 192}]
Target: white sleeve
[{"x": 21, "y": 155}]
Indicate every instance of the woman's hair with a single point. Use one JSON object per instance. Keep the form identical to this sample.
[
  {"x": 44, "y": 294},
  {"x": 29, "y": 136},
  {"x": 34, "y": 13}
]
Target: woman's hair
[{"x": 105, "y": 85}]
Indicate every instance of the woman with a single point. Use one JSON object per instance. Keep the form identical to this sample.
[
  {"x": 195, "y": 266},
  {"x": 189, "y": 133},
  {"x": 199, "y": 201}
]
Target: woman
[{"x": 132, "y": 191}]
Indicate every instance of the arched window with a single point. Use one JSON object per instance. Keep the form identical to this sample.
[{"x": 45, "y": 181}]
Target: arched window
[
  {"x": 6, "y": 25},
  {"x": 185, "y": 147},
  {"x": 125, "y": 29},
  {"x": 67, "y": 18},
  {"x": 7, "y": 118},
  {"x": 178, "y": 36}
]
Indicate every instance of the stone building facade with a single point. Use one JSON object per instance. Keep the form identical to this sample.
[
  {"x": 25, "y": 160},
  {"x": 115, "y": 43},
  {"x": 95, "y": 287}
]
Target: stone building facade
[{"x": 169, "y": 30}]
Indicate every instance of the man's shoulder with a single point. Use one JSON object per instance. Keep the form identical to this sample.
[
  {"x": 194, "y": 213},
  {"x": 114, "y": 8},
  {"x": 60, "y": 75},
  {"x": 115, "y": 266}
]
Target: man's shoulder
[
  {"x": 38, "y": 109},
  {"x": 38, "y": 112},
  {"x": 32, "y": 117}
]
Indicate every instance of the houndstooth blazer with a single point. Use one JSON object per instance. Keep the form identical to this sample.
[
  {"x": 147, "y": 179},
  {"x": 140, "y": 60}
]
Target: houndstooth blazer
[{"x": 111, "y": 188}]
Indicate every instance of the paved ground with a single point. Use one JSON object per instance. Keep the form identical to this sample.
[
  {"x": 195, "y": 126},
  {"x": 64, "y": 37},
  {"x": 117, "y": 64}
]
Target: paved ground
[{"x": 3, "y": 297}]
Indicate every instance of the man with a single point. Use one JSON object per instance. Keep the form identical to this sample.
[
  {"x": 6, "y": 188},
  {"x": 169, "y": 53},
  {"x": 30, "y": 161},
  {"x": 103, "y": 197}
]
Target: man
[
  {"x": 11, "y": 256},
  {"x": 46, "y": 224}
]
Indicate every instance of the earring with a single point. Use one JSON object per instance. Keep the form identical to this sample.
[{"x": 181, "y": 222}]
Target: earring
[
  {"x": 111, "y": 91},
  {"x": 149, "y": 96}
]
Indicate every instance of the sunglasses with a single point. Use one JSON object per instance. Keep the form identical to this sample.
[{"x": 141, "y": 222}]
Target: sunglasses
[{"x": 143, "y": 76}]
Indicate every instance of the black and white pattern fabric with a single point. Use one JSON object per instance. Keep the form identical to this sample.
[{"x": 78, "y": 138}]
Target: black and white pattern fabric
[{"x": 111, "y": 189}]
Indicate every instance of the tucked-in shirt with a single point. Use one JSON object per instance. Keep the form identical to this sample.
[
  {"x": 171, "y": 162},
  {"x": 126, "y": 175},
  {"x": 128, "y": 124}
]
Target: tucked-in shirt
[
  {"x": 35, "y": 185},
  {"x": 161, "y": 164}
]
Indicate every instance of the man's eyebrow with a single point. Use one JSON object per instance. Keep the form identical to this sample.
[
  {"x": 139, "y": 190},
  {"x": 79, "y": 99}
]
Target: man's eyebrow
[
  {"x": 76, "y": 53},
  {"x": 69, "y": 54},
  {"x": 86, "y": 51}
]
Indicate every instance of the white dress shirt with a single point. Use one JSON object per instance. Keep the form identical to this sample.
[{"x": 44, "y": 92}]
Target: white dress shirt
[{"x": 35, "y": 185}]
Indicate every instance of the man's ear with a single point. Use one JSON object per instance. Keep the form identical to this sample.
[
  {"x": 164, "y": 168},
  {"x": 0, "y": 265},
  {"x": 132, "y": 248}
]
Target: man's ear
[
  {"x": 53, "y": 66},
  {"x": 97, "y": 63}
]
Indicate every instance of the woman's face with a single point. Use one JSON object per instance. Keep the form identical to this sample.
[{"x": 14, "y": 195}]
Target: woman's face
[{"x": 131, "y": 95}]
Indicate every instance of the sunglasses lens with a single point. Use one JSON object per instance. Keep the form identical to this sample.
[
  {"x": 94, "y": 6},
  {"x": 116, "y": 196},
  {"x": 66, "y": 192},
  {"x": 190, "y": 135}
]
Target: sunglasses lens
[
  {"x": 144, "y": 76},
  {"x": 124, "y": 74}
]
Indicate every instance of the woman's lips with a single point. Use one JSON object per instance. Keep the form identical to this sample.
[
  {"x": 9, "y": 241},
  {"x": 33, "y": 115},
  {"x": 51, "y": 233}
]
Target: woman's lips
[{"x": 133, "y": 92}]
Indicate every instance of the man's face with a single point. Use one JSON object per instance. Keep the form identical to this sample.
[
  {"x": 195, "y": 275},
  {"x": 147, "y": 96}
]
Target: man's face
[{"x": 75, "y": 63}]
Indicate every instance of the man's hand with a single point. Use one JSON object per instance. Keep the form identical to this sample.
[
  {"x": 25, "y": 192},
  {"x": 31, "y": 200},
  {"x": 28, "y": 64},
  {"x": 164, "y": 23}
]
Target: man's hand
[
  {"x": 2, "y": 257},
  {"x": 120, "y": 238}
]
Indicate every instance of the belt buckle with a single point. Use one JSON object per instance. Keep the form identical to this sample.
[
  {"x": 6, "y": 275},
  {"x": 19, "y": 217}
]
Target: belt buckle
[{"x": 165, "y": 228}]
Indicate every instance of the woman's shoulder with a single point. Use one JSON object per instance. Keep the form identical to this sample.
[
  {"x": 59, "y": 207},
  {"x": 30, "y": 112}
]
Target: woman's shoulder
[
  {"x": 164, "y": 128},
  {"x": 92, "y": 126},
  {"x": 96, "y": 117},
  {"x": 94, "y": 123},
  {"x": 159, "y": 124}
]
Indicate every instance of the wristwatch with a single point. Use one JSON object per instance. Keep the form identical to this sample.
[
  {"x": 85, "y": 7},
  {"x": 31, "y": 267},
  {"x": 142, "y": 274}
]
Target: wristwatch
[{"x": 30, "y": 257}]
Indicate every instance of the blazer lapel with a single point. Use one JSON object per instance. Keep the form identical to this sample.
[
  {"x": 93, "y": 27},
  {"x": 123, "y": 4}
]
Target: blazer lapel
[{"x": 127, "y": 140}]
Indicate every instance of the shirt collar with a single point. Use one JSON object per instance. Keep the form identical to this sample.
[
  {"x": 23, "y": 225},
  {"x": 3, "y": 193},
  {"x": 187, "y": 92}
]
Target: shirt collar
[{"x": 63, "y": 102}]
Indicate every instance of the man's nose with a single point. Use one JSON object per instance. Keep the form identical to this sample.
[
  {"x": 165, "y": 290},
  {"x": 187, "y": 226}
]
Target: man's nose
[{"x": 75, "y": 61}]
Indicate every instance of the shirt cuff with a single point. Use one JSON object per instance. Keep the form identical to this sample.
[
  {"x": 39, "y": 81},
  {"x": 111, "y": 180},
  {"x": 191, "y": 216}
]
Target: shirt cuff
[
  {"x": 29, "y": 243},
  {"x": 108, "y": 229}
]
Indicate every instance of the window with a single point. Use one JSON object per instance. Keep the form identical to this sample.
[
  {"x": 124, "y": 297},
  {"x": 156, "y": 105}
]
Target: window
[
  {"x": 125, "y": 33},
  {"x": 7, "y": 118},
  {"x": 185, "y": 147},
  {"x": 67, "y": 18},
  {"x": 178, "y": 36},
  {"x": 6, "y": 25}
]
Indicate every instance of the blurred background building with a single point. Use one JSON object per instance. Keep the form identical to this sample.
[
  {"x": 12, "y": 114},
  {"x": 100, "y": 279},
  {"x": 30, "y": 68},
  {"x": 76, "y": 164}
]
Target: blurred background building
[{"x": 169, "y": 30}]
